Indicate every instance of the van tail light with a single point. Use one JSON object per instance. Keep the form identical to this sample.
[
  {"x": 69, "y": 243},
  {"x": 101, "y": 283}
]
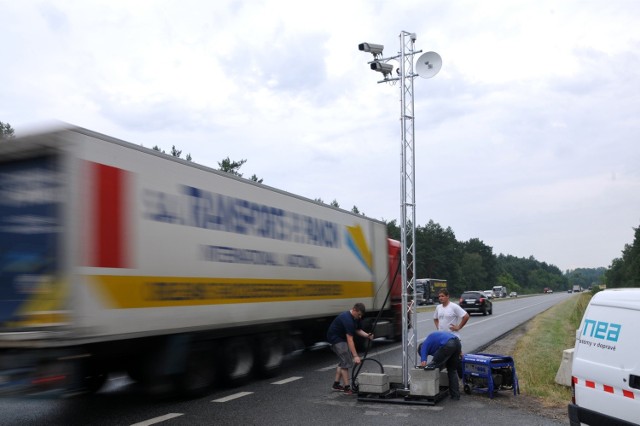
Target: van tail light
[
  {"x": 573, "y": 389},
  {"x": 482, "y": 300}
]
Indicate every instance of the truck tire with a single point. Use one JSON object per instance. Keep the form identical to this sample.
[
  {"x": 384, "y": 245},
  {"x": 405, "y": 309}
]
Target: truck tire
[
  {"x": 94, "y": 376},
  {"x": 95, "y": 381},
  {"x": 235, "y": 361},
  {"x": 269, "y": 355},
  {"x": 198, "y": 375}
]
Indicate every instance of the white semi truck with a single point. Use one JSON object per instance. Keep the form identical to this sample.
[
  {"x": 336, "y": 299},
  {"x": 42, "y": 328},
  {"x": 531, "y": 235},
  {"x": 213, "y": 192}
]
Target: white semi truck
[{"x": 117, "y": 257}]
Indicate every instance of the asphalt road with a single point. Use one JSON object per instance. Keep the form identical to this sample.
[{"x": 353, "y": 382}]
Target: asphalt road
[{"x": 301, "y": 393}]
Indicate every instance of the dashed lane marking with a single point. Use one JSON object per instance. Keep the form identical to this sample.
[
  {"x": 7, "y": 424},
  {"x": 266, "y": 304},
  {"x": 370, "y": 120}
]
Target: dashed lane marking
[
  {"x": 158, "y": 419},
  {"x": 232, "y": 397},
  {"x": 289, "y": 380}
]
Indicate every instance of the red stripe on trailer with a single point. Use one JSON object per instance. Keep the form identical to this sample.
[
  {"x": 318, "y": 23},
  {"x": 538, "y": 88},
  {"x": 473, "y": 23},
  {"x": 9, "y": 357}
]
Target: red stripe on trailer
[
  {"x": 608, "y": 388},
  {"x": 628, "y": 394},
  {"x": 590, "y": 384},
  {"x": 109, "y": 208}
]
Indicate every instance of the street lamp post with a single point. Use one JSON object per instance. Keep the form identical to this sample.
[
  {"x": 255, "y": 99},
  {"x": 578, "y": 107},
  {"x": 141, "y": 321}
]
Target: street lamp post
[{"x": 428, "y": 64}]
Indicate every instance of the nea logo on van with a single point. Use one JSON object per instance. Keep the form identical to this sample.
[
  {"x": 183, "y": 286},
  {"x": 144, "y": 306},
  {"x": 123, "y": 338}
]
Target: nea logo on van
[{"x": 601, "y": 330}]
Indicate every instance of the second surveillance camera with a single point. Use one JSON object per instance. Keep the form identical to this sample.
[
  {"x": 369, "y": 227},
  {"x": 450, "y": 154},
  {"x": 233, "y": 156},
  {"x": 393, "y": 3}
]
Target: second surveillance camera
[
  {"x": 374, "y": 49},
  {"x": 382, "y": 67}
]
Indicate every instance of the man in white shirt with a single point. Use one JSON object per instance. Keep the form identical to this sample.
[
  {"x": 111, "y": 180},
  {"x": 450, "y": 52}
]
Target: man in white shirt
[{"x": 449, "y": 316}]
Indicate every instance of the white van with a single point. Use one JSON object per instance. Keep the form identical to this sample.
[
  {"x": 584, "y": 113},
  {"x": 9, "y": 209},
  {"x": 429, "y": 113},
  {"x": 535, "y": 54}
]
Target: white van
[{"x": 606, "y": 361}]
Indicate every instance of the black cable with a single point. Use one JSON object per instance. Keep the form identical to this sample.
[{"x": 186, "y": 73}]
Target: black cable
[{"x": 357, "y": 368}]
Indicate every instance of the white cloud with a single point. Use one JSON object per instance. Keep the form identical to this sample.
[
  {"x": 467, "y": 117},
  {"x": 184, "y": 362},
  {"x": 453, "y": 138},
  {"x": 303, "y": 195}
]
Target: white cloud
[{"x": 527, "y": 139}]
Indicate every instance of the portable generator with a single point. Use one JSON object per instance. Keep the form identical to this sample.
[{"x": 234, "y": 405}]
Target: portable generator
[{"x": 488, "y": 373}]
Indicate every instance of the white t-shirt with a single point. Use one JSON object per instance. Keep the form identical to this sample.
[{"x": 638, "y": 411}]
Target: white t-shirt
[{"x": 452, "y": 314}]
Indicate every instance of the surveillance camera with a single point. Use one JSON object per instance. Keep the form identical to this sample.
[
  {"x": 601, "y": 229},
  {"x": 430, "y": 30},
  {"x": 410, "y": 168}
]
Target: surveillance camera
[
  {"x": 374, "y": 49},
  {"x": 382, "y": 67}
]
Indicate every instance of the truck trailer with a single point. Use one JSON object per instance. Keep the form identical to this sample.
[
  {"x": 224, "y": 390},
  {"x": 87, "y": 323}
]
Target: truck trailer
[
  {"x": 114, "y": 257},
  {"x": 427, "y": 290}
]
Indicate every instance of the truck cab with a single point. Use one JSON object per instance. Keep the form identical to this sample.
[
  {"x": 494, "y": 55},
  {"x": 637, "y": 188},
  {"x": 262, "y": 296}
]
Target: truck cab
[{"x": 499, "y": 291}]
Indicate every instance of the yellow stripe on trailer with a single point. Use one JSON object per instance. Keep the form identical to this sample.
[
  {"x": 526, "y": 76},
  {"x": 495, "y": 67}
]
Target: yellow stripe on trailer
[{"x": 127, "y": 292}]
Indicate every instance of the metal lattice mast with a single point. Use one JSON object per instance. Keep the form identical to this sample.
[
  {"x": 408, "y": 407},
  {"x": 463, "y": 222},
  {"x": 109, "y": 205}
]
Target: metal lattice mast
[
  {"x": 408, "y": 205},
  {"x": 428, "y": 65}
]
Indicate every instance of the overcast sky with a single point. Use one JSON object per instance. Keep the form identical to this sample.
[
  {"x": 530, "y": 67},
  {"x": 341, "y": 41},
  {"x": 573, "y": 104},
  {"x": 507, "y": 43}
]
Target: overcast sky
[{"x": 527, "y": 139}]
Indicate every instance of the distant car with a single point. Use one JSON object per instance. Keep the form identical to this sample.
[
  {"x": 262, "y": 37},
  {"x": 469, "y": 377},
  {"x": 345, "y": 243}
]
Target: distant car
[
  {"x": 488, "y": 293},
  {"x": 476, "y": 301},
  {"x": 513, "y": 294},
  {"x": 569, "y": 291}
]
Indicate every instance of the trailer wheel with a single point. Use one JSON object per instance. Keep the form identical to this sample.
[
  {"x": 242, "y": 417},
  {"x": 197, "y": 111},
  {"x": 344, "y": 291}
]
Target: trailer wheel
[
  {"x": 199, "y": 371},
  {"x": 269, "y": 354},
  {"x": 235, "y": 361},
  {"x": 134, "y": 371},
  {"x": 94, "y": 377}
]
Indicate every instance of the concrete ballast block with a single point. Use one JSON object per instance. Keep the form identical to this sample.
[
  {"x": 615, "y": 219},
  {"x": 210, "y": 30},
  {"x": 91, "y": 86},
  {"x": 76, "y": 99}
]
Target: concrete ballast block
[
  {"x": 373, "y": 383},
  {"x": 394, "y": 372},
  {"x": 444, "y": 378},
  {"x": 377, "y": 379},
  {"x": 424, "y": 382},
  {"x": 563, "y": 376},
  {"x": 373, "y": 388}
]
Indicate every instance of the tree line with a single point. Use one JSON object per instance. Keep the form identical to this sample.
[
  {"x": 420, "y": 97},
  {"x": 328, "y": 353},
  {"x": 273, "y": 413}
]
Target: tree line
[
  {"x": 625, "y": 270},
  {"x": 472, "y": 265},
  {"x": 6, "y": 131}
]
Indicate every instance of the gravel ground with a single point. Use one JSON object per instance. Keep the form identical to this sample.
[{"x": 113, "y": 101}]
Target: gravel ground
[{"x": 506, "y": 346}]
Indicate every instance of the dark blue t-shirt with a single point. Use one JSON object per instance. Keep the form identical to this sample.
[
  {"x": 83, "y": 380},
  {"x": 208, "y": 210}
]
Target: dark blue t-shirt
[{"x": 342, "y": 325}]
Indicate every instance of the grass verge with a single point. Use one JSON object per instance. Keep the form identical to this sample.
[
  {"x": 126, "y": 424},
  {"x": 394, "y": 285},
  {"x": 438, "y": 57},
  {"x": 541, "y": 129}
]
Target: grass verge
[{"x": 538, "y": 353}]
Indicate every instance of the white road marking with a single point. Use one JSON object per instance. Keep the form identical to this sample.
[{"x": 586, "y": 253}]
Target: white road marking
[
  {"x": 289, "y": 380},
  {"x": 232, "y": 397},
  {"x": 158, "y": 419},
  {"x": 333, "y": 367}
]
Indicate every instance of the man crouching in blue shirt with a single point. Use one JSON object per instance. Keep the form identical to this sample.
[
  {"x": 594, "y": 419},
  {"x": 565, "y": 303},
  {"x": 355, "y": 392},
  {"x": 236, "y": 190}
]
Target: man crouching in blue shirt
[
  {"x": 445, "y": 349},
  {"x": 340, "y": 336}
]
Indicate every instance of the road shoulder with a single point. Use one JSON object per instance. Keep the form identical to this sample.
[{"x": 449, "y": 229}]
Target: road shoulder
[{"x": 506, "y": 346}]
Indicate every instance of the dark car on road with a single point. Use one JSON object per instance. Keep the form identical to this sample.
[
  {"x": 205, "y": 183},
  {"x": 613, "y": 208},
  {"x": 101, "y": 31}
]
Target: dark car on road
[{"x": 476, "y": 301}]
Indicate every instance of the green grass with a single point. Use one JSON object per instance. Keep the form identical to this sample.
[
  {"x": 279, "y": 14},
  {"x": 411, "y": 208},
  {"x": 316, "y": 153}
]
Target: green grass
[{"x": 538, "y": 354}]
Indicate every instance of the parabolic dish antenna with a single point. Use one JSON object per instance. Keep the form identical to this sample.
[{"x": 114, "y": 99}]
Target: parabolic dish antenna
[{"x": 428, "y": 64}]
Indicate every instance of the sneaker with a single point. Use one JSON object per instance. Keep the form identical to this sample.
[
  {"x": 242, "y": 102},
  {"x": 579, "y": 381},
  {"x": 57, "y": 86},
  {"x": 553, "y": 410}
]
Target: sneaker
[
  {"x": 347, "y": 390},
  {"x": 337, "y": 387}
]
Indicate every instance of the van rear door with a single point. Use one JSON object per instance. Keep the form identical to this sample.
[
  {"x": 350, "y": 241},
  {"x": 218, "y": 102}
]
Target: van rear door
[{"x": 606, "y": 365}]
